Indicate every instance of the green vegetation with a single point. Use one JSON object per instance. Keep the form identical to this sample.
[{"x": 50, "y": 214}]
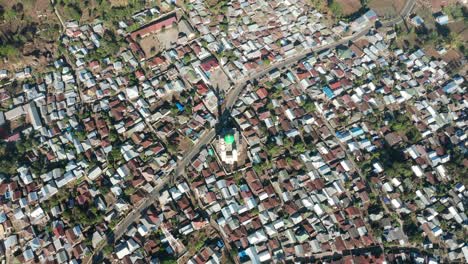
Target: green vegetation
[
  {"x": 455, "y": 165},
  {"x": 12, "y": 154},
  {"x": 224, "y": 25},
  {"x": 129, "y": 190},
  {"x": 217, "y": 7},
  {"x": 273, "y": 150},
  {"x": 72, "y": 12},
  {"x": 309, "y": 106},
  {"x": 187, "y": 59},
  {"x": 114, "y": 13},
  {"x": 114, "y": 157},
  {"x": 335, "y": 9},
  {"x": 87, "y": 215},
  {"x": 91, "y": 9},
  {"x": 394, "y": 163},
  {"x": 412, "y": 230},
  {"x": 10, "y": 15},
  {"x": 168, "y": 261},
  {"x": 107, "y": 250},
  {"x": 402, "y": 124},
  {"x": 110, "y": 45},
  {"x": 455, "y": 11},
  {"x": 8, "y": 51},
  {"x": 299, "y": 148},
  {"x": 133, "y": 27},
  {"x": 260, "y": 167},
  {"x": 320, "y": 5}
]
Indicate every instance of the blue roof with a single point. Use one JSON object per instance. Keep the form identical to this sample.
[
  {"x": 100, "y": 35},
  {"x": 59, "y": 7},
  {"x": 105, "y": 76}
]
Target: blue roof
[
  {"x": 356, "y": 131},
  {"x": 328, "y": 92},
  {"x": 180, "y": 107},
  {"x": 418, "y": 20},
  {"x": 244, "y": 188},
  {"x": 3, "y": 217},
  {"x": 220, "y": 243},
  {"x": 450, "y": 87},
  {"x": 370, "y": 14},
  {"x": 342, "y": 134}
]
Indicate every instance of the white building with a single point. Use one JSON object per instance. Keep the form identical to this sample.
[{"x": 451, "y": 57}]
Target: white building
[{"x": 228, "y": 147}]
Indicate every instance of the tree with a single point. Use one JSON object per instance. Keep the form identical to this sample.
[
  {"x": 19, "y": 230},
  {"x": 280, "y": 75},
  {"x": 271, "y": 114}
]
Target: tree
[
  {"x": 187, "y": 58},
  {"x": 72, "y": 11},
  {"x": 299, "y": 148},
  {"x": 309, "y": 107},
  {"x": 108, "y": 250},
  {"x": 335, "y": 9},
  {"x": 115, "y": 155},
  {"x": 455, "y": 11},
  {"x": 8, "y": 51},
  {"x": 113, "y": 136},
  {"x": 454, "y": 40},
  {"x": 273, "y": 151}
]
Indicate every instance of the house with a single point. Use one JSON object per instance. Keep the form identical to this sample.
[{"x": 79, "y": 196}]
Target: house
[
  {"x": 2, "y": 119},
  {"x": 94, "y": 173},
  {"x": 442, "y": 19},
  {"x": 34, "y": 115},
  {"x": 15, "y": 113},
  {"x": 3, "y": 74},
  {"x": 417, "y": 21},
  {"x": 209, "y": 65}
]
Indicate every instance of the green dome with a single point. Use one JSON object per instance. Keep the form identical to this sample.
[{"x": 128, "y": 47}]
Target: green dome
[{"x": 229, "y": 139}]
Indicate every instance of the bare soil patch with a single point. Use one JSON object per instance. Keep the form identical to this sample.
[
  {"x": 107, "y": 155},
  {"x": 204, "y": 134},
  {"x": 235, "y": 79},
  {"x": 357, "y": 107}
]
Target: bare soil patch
[
  {"x": 219, "y": 79},
  {"x": 155, "y": 43},
  {"x": 118, "y": 3}
]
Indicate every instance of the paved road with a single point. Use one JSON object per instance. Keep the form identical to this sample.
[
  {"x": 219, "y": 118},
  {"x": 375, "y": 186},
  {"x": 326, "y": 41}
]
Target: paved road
[{"x": 229, "y": 102}]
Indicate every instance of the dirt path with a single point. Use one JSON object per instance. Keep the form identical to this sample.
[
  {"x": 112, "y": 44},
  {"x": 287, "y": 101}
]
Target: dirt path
[{"x": 58, "y": 15}]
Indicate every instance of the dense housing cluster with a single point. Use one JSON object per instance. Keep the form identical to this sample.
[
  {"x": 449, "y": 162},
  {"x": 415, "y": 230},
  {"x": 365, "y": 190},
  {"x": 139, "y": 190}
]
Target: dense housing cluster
[{"x": 237, "y": 131}]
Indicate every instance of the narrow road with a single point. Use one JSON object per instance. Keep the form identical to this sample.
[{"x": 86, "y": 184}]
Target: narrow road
[
  {"x": 409, "y": 5},
  {"x": 229, "y": 102}
]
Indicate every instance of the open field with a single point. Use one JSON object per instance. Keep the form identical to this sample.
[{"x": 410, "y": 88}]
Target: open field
[
  {"x": 349, "y": 7},
  {"x": 219, "y": 79},
  {"x": 386, "y": 8},
  {"x": 158, "y": 42},
  {"x": 460, "y": 28}
]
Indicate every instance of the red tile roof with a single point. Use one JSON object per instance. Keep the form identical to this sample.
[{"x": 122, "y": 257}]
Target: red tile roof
[
  {"x": 209, "y": 64},
  {"x": 155, "y": 27}
]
